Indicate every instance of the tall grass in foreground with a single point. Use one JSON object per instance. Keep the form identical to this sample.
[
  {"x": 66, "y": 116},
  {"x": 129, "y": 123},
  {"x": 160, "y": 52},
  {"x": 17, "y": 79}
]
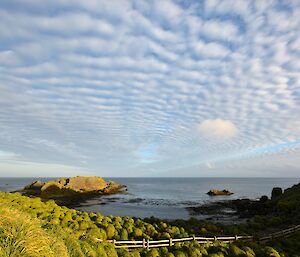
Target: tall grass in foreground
[{"x": 21, "y": 235}]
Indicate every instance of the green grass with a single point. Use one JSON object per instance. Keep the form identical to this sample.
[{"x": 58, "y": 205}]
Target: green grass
[
  {"x": 21, "y": 235},
  {"x": 30, "y": 227}
]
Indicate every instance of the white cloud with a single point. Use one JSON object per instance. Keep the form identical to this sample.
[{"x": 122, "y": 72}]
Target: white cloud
[
  {"x": 9, "y": 58},
  {"x": 217, "y": 29},
  {"x": 217, "y": 129},
  {"x": 242, "y": 8},
  {"x": 7, "y": 155},
  {"x": 34, "y": 169},
  {"x": 214, "y": 50},
  {"x": 168, "y": 12},
  {"x": 99, "y": 78}
]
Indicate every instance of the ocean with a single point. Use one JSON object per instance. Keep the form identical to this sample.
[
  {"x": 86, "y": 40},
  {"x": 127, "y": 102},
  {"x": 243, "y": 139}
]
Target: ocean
[{"x": 166, "y": 198}]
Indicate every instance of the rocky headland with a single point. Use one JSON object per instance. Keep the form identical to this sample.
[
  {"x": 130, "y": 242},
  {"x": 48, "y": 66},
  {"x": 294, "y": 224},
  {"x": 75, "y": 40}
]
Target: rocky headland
[{"x": 79, "y": 187}]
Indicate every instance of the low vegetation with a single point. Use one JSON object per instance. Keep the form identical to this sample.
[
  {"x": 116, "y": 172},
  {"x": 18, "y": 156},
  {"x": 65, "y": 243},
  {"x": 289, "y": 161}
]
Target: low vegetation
[{"x": 31, "y": 227}]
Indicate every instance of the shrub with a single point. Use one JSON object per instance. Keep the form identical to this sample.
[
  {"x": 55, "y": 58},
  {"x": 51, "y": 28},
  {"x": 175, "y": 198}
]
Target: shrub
[
  {"x": 165, "y": 235},
  {"x": 275, "y": 221},
  {"x": 123, "y": 253},
  {"x": 84, "y": 225},
  {"x": 219, "y": 254},
  {"x": 137, "y": 232},
  {"x": 95, "y": 234},
  {"x": 124, "y": 234},
  {"x": 153, "y": 253},
  {"x": 135, "y": 253},
  {"x": 236, "y": 251},
  {"x": 179, "y": 254},
  {"x": 170, "y": 255},
  {"x": 110, "y": 250},
  {"x": 270, "y": 252},
  {"x": 194, "y": 252},
  {"x": 88, "y": 250},
  {"x": 101, "y": 251},
  {"x": 249, "y": 252},
  {"x": 110, "y": 231},
  {"x": 163, "y": 251}
]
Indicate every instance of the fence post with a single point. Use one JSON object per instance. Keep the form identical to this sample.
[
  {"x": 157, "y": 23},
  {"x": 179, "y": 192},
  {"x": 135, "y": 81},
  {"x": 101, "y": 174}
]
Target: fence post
[
  {"x": 215, "y": 238},
  {"x": 194, "y": 238},
  {"x": 236, "y": 237},
  {"x": 170, "y": 241},
  {"x": 144, "y": 242},
  {"x": 147, "y": 244},
  {"x": 114, "y": 241}
]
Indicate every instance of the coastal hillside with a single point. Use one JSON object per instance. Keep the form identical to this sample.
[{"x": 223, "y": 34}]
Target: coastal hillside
[{"x": 31, "y": 227}]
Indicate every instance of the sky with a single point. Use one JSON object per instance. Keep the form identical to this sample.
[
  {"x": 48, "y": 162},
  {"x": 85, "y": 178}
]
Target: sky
[{"x": 150, "y": 88}]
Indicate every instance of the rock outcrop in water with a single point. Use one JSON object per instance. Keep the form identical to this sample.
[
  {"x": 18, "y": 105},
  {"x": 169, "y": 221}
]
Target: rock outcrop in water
[
  {"x": 276, "y": 193},
  {"x": 216, "y": 192},
  {"x": 72, "y": 187}
]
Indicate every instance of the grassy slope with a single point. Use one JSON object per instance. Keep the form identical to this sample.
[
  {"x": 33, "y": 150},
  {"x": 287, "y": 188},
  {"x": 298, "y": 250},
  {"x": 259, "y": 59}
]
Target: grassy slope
[
  {"x": 30, "y": 227},
  {"x": 21, "y": 235}
]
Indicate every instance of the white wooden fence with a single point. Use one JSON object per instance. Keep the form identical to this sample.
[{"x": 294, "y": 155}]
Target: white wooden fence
[
  {"x": 280, "y": 234},
  {"x": 171, "y": 241}
]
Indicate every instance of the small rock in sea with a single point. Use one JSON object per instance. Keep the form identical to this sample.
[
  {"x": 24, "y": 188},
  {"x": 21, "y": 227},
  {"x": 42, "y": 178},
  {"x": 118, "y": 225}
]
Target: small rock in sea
[{"x": 216, "y": 192}]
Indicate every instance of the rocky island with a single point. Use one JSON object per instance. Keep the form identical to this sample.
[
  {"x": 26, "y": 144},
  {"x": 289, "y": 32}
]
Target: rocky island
[
  {"x": 69, "y": 188},
  {"x": 216, "y": 192}
]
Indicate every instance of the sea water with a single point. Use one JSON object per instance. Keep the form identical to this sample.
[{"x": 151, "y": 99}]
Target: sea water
[{"x": 166, "y": 198}]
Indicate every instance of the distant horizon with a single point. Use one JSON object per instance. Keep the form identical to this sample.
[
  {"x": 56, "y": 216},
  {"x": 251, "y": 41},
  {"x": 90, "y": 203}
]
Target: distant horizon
[{"x": 153, "y": 177}]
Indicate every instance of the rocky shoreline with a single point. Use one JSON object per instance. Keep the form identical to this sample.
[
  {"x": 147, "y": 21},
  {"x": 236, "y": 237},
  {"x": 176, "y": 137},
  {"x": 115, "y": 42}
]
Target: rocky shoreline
[{"x": 238, "y": 208}]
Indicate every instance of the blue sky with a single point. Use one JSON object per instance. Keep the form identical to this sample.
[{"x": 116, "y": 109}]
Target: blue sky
[{"x": 150, "y": 88}]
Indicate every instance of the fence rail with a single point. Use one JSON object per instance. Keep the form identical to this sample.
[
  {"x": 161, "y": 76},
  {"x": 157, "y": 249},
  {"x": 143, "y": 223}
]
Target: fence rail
[
  {"x": 171, "y": 241},
  {"x": 281, "y": 233}
]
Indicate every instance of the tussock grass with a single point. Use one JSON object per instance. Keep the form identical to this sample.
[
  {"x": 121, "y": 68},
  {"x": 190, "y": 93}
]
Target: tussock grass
[
  {"x": 73, "y": 245},
  {"x": 21, "y": 235}
]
